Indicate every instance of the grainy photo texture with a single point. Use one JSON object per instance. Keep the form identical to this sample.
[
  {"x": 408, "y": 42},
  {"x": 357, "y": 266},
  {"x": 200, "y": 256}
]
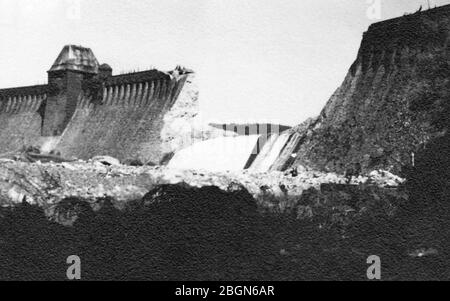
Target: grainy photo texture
[{"x": 213, "y": 140}]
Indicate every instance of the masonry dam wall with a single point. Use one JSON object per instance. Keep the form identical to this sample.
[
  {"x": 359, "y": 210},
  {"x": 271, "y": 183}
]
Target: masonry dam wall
[
  {"x": 85, "y": 111},
  {"x": 385, "y": 109},
  {"x": 20, "y": 118},
  {"x": 126, "y": 123}
]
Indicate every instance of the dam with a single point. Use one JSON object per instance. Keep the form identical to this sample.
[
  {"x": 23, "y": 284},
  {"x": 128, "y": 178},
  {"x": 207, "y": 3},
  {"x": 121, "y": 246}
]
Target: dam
[
  {"x": 85, "y": 111},
  {"x": 149, "y": 116}
]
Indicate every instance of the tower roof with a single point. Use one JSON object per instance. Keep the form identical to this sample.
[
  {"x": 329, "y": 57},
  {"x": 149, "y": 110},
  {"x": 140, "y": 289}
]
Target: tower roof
[
  {"x": 105, "y": 67},
  {"x": 76, "y": 58}
]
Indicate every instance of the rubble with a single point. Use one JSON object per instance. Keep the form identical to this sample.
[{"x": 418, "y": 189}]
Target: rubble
[
  {"x": 385, "y": 178},
  {"x": 106, "y": 160},
  {"x": 49, "y": 183}
]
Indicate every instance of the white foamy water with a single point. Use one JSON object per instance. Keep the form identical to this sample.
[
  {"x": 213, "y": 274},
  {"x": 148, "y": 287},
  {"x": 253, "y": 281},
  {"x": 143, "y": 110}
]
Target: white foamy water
[
  {"x": 49, "y": 143},
  {"x": 270, "y": 152},
  {"x": 219, "y": 154}
]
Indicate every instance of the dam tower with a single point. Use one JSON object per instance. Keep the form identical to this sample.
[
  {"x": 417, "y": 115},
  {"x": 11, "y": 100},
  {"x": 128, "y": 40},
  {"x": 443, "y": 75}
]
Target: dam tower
[{"x": 74, "y": 65}]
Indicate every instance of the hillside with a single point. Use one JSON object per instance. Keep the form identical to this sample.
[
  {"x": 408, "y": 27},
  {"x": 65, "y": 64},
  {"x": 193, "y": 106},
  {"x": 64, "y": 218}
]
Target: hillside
[{"x": 390, "y": 104}]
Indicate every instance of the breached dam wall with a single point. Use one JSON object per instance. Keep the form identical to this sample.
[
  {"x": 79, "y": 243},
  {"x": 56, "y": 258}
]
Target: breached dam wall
[
  {"x": 270, "y": 152},
  {"x": 126, "y": 123},
  {"x": 216, "y": 155},
  {"x": 20, "y": 121}
]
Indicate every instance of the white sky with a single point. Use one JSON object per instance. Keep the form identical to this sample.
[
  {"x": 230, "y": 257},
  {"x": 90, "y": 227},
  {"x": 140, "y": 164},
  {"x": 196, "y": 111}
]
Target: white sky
[{"x": 257, "y": 60}]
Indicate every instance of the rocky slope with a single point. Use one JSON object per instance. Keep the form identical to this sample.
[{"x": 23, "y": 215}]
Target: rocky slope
[
  {"x": 384, "y": 110},
  {"x": 178, "y": 232},
  {"x": 153, "y": 223},
  {"x": 46, "y": 185}
]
